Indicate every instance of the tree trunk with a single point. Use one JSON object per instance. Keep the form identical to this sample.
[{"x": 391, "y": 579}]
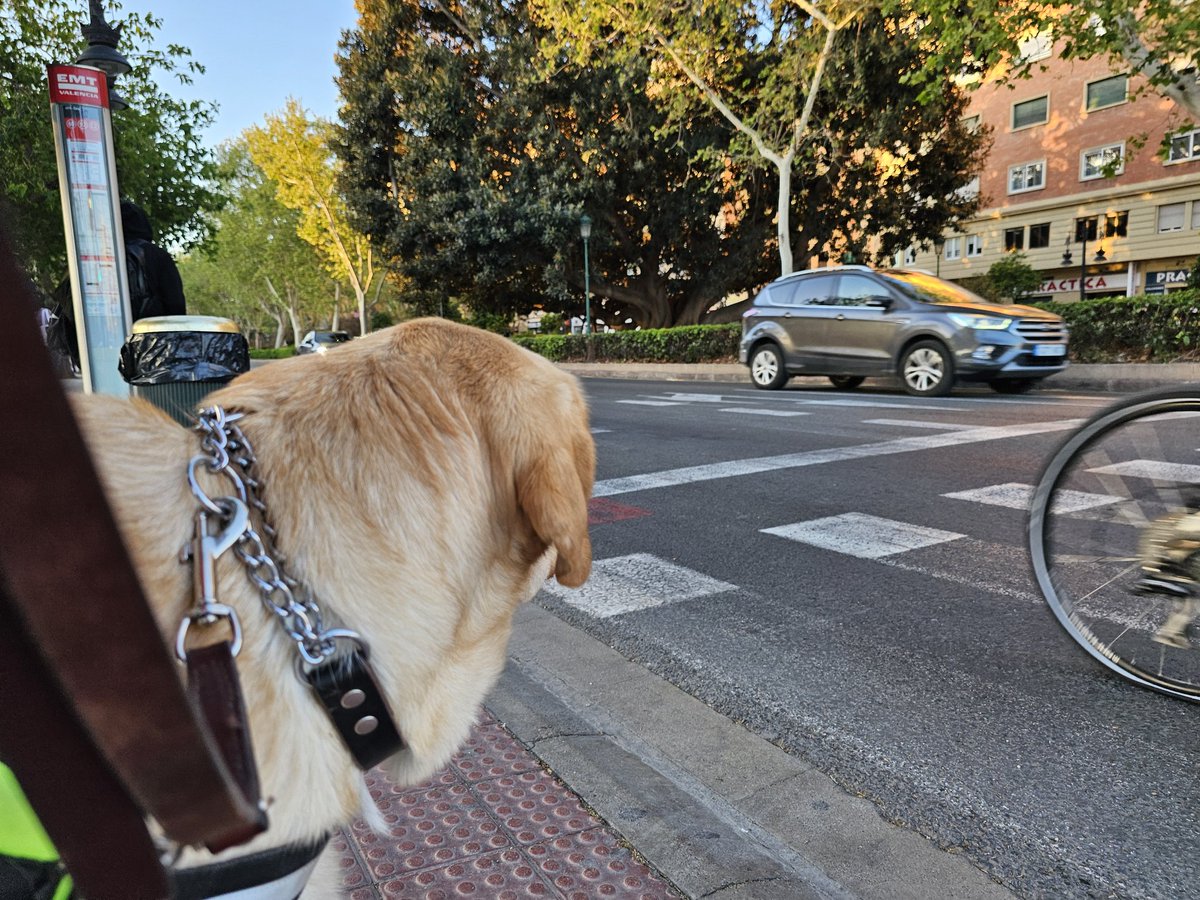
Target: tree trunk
[
  {"x": 337, "y": 307},
  {"x": 783, "y": 224}
]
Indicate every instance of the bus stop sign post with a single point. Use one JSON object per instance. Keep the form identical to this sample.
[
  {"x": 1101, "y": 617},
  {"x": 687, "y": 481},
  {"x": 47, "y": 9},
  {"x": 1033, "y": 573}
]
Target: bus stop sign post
[{"x": 87, "y": 180}]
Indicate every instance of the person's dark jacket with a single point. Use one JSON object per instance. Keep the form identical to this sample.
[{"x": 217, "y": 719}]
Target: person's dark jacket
[{"x": 165, "y": 285}]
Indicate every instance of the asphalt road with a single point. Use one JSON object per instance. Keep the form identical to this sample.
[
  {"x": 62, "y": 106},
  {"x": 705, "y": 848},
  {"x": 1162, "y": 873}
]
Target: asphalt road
[{"x": 845, "y": 574}]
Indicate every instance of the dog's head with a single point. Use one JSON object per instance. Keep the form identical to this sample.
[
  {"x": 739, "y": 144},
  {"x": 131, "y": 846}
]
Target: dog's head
[{"x": 425, "y": 480}]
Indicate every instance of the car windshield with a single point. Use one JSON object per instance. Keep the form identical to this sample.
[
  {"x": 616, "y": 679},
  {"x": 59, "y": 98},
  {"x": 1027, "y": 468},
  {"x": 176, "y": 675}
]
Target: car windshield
[
  {"x": 930, "y": 289},
  {"x": 335, "y": 337}
]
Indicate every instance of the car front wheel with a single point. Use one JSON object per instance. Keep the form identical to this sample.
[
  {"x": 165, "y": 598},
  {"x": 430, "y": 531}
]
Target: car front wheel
[
  {"x": 927, "y": 370},
  {"x": 766, "y": 368}
]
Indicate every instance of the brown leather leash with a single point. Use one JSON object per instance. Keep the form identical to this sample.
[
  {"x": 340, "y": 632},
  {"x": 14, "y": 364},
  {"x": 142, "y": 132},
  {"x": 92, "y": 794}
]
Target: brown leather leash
[{"x": 94, "y": 719}]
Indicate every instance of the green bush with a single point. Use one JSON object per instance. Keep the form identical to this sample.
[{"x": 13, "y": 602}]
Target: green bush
[
  {"x": 685, "y": 344},
  {"x": 273, "y": 352},
  {"x": 1164, "y": 328}
]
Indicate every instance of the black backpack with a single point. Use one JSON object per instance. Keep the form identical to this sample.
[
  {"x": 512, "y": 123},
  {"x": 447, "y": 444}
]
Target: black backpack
[{"x": 142, "y": 300}]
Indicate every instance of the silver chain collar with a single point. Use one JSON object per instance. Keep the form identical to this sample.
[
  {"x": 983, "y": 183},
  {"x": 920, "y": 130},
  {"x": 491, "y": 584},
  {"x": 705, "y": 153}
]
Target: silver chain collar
[{"x": 226, "y": 451}]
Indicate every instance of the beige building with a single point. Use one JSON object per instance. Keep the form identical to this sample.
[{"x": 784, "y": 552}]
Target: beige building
[{"x": 1076, "y": 156}]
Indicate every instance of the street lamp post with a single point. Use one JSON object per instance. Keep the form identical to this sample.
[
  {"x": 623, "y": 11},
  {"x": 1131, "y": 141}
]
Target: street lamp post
[
  {"x": 1084, "y": 229},
  {"x": 585, "y": 232},
  {"x": 939, "y": 244},
  {"x": 102, "y": 53}
]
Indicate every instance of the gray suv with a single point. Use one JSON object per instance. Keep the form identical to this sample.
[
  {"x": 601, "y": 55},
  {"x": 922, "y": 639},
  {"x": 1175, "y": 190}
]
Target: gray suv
[{"x": 853, "y": 322}]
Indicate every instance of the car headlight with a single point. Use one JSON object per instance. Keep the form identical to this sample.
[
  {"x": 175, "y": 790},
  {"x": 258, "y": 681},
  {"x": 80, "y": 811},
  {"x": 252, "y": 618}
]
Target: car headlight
[
  {"x": 320, "y": 348},
  {"x": 980, "y": 323}
]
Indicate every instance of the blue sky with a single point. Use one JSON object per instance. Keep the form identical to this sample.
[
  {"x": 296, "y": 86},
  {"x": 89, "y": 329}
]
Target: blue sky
[{"x": 257, "y": 53}]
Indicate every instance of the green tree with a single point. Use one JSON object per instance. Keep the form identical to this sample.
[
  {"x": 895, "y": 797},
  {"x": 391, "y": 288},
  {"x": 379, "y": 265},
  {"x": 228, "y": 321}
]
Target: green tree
[
  {"x": 294, "y": 151},
  {"x": 161, "y": 164},
  {"x": 1152, "y": 38},
  {"x": 1013, "y": 278},
  {"x": 771, "y": 70},
  {"x": 471, "y": 168},
  {"x": 256, "y": 269}
]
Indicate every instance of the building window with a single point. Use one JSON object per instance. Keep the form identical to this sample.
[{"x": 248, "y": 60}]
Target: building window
[
  {"x": 974, "y": 245},
  {"x": 1039, "y": 236},
  {"x": 1184, "y": 147},
  {"x": 1195, "y": 214},
  {"x": 954, "y": 247},
  {"x": 1106, "y": 92},
  {"x": 1102, "y": 162},
  {"x": 1087, "y": 228},
  {"x": 1116, "y": 225},
  {"x": 1034, "y": 48},
  {"x": 1027, "y": 177},
  {"x": 1170, "y": 217},
  {"x": 910, "y": 256},
  {"x": 970, "y": 190},
  {"x": 971, "y": 123},
  {"x": 1031, "y": 112},
  {"x": 1014, "y": 239}
]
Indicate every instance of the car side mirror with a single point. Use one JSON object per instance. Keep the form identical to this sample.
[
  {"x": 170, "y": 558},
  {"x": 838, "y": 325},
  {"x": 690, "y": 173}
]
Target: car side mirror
[{"x": 880, "y": 302}]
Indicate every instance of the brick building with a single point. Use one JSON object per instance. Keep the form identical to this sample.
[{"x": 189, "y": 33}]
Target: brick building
[{"x": 1075, "y": 155}]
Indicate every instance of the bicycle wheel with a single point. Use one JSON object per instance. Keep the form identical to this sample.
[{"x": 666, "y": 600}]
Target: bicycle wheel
[{"x": 1126, "y": 476}]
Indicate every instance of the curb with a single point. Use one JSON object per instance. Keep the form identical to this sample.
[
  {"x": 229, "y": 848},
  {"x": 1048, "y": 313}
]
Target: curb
[{"x": 1105, "y": 377}]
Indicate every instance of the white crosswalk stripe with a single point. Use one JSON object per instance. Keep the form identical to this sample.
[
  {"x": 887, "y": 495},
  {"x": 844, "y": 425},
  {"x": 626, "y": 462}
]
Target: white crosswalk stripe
[
  {"x": 1018, "y": 496},
  {"x": 629, "y": 583},
  {"x": 862, "y": 535}
]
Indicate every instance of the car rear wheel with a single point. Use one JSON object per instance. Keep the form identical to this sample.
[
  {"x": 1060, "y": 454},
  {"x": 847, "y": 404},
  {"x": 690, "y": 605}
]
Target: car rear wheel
[
  {"x": 846, "y": 382},
  {"x": 927, "y": 370},
  {"x": 1014, "y": 385},
  {"x": 766, "y": 368}
]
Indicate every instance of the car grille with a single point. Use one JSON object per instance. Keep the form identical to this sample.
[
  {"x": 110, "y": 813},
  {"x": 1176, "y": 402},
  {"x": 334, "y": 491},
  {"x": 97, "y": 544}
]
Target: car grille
[{"x": 1041, "y": 331}]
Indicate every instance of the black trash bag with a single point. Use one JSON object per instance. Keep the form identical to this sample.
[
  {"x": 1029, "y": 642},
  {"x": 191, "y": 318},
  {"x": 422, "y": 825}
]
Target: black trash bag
[{"x": 169, "y": 357}]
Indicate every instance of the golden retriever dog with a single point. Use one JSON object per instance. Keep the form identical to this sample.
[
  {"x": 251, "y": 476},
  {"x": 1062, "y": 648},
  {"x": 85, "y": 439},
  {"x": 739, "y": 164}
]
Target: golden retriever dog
[{"x": 424, "y": 480}]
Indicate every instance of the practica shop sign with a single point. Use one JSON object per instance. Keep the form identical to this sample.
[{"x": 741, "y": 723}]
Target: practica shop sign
[
  {"x": 1116, "y": 281},
  {"x": 1158, "y": 282}
]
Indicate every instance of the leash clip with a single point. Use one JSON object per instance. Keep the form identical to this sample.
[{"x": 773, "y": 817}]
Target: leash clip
[{"x": 203, "y": 553}]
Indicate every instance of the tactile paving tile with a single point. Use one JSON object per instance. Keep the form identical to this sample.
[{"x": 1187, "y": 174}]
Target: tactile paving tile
[
  {"x": 453, "y": 835},
  {"x": 534, "y": 806},
  {"x": 429, "y": 828},
  {"x": 592, "y": 864},
  {"x": 504, "y": 875},
  {"x": 491, "y": 752},
  {"x": 349, "y": 866}
]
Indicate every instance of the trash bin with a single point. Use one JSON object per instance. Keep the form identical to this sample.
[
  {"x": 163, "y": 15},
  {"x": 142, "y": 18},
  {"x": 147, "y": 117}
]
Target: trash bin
[{"x": 176, "y": 361}]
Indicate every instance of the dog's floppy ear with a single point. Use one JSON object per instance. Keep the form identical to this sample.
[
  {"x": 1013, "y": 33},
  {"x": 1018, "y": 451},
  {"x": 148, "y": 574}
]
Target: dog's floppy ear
[{"x": 553, "y": 491}]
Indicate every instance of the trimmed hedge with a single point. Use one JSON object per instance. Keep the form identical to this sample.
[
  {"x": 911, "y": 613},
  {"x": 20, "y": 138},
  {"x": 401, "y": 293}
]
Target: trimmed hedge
[
  {"x": 1163, "y": 328},
  {"x": 685, "y": 344},
  {"x": 273, "y": 352}
]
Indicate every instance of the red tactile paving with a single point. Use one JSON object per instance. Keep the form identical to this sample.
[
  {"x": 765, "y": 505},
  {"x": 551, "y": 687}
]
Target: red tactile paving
[{"x": 493, "y": 825}]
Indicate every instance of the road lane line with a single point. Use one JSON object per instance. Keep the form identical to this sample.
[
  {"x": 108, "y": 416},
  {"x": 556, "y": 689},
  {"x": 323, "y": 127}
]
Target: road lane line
[
  {"x": 918, "y": 423},
  {"x": 746, "y": 410},
  {"x": 756, "y": 465}
]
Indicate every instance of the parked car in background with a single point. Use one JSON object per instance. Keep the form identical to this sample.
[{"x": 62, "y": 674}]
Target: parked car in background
[
  {"x": 854, "y": 322},
  {"x": 320, "y": 341}
]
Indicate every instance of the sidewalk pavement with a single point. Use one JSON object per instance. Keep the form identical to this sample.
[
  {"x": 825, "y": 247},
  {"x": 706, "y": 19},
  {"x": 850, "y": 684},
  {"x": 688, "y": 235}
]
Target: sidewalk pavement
[{"x": 587, "y": 777}]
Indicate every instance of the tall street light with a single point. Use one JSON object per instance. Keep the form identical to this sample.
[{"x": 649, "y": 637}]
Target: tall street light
[
  {"x": 102, "y": 53},
  {"x": 1085, "y": 229},
  {"x": 585, "y": 232}
]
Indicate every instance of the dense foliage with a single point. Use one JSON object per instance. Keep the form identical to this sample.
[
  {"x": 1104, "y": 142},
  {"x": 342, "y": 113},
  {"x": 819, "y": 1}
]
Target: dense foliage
[
  {"x": 471, "y": 169},
  {"x": 161, "y": 164},
  {"x": 1162, "y": 328},
  {"x": 686, "y": 344},
  {"x": 470, "y": 166}
]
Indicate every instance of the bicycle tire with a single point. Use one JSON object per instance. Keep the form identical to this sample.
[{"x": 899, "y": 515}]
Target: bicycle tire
[{"x": 1128, "y": 466}]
